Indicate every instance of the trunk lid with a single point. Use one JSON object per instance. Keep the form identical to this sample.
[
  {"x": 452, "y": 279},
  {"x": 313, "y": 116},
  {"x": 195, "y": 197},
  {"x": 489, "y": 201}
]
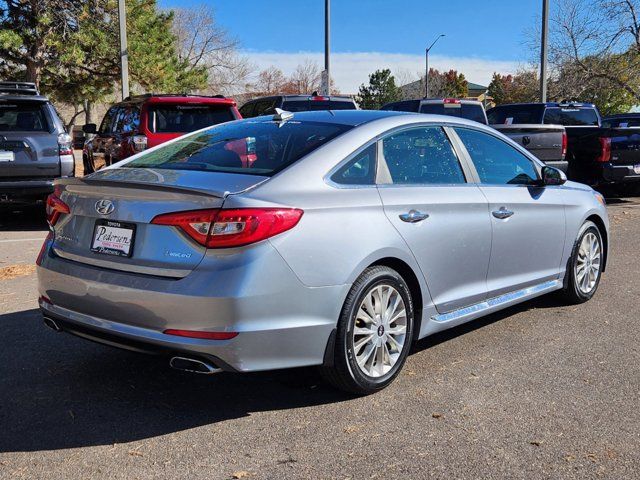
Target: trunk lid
[{"x": 136, "y": 197}]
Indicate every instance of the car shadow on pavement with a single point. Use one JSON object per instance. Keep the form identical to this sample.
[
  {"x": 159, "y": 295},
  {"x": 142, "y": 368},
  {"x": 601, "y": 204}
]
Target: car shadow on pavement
[
  {"x": 31, "y": 219},
  {"x": 58, "y": 391}
]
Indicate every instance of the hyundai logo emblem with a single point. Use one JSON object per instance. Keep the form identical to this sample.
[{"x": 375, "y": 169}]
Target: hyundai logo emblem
[{"x": 104, "y": 207}]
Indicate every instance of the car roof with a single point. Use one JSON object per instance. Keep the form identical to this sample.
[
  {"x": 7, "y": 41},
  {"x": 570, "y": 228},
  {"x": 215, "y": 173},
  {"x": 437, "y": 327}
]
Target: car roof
[
  {"x": 332, "y": 98},
  {"x": 178, "y": 98},
  {"x": 23, "y": 98},
  {"x": 441, "y": 100},
  {"x": 549, "y": 104}
]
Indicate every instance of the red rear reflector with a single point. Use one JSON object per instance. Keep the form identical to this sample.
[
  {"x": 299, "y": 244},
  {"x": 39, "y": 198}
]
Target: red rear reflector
[
  {"x": 605, "y": 150},
  {"x": 203, "y": 335},
  {"x": 42, "y": 250},
  {"x": 233, "y": 227},
  {"x": 55, "y": 207}
]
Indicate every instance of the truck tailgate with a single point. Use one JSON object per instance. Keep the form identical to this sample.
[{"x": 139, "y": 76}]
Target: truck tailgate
[{"x": 544, "y": 141}]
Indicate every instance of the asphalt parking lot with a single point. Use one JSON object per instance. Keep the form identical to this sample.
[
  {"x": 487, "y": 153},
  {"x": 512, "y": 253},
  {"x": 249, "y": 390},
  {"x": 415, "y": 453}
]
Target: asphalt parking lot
[{"x": 541, "y": 390}]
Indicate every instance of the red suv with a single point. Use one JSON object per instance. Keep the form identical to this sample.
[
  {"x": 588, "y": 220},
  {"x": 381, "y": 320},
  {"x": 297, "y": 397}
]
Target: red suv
[{"x": 144, "y": 121}]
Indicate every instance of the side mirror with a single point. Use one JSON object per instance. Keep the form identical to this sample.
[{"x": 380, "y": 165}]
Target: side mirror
[
  {"x": 552, "y": 176},
  {"x": 90, "y": 128}
]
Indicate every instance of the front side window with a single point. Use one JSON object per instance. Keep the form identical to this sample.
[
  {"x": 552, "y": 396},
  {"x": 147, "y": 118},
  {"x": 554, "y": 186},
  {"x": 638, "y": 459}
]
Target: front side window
[
  {"x": 421, "y": 156},
  {"x": 254, "y": 147},
  {"x": 497, "y": 162},
  {"x": 360, "y": 170},
  {"x": 105, "y": 126}
]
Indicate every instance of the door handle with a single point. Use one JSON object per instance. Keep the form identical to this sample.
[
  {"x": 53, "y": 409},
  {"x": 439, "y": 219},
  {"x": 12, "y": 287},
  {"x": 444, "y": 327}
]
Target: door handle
[
  {"x": 502, "y": 213},
  {"x": 413, "y": 216}
]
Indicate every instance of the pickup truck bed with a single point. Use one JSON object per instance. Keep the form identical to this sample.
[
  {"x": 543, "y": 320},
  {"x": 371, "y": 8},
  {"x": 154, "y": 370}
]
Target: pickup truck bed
[{"x": 546, "y": 142}]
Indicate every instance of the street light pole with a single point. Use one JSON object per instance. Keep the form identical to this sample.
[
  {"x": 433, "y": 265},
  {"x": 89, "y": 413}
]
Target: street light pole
[
  {"x": 327, "y": 29},
  {"x": 124, "y": 54},
  {"x": 543, "y": 51},
  {"x": 426, "y": 66}
]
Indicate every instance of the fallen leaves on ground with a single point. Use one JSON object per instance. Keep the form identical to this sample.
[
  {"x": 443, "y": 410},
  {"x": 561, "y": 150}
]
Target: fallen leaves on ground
[
  {"x": 14, "y": 271},
  {"x": 240, "y": 474}
]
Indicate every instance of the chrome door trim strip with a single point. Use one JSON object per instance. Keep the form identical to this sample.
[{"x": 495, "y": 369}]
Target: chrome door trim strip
[{"x": 496, "y": 303}]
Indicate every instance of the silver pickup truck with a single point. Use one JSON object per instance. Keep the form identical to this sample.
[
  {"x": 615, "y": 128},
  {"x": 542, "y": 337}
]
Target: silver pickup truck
[
  {"x": 34, "y": 146},
  {"x": 547, "y": 142}
]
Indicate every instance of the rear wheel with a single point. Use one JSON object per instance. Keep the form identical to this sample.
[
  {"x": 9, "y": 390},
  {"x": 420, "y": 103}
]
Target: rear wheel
[
  {"x": 89, "y": 164},
  {"x": 585, "y": 267},
  {"x": 374, "y": 333}
]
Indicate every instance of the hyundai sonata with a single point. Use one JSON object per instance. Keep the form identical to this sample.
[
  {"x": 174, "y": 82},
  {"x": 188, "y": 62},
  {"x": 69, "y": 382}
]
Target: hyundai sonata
[{"x": 323, "y": 238}]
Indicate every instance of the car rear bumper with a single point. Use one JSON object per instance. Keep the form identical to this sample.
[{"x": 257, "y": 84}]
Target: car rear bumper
[
  {"x": 280, "y": 322},
  {"x": 619, "y": 173},
  {"x": 25, "y": 191}
]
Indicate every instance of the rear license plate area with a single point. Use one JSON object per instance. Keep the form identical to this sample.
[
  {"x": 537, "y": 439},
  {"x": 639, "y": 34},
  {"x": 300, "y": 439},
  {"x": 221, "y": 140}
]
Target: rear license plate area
[
  {"x": 113, "y": 238},
  {"x": 6, "y": 156}
]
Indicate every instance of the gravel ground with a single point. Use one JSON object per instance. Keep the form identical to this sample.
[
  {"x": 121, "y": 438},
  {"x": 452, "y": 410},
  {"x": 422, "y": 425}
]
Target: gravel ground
[{"x": 537, "y": 391}]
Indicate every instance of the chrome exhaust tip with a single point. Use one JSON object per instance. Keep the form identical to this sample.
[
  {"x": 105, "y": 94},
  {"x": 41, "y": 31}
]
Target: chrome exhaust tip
[
  {"x": 193, "y": 366},
  {"x": 51, "y": 323}
]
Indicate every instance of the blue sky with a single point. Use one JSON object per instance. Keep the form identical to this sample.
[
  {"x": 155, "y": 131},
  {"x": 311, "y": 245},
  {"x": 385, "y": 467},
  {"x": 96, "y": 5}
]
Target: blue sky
[{"x": 481, "y": 35}]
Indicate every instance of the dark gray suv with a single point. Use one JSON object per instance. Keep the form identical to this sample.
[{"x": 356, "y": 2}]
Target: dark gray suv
[{"x": 35, "y": 149}]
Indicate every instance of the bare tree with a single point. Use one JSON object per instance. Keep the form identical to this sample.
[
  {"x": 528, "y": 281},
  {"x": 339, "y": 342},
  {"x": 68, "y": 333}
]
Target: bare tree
[
  {"x": 201, "y": 42},
  {"x": 304, "y": 79},
  {"x": 597, "y": 42},
  {"x": 270, "y": 81}
]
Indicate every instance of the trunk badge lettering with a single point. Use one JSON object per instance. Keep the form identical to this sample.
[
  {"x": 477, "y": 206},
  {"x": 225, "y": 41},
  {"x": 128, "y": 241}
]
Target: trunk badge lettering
[{"x": 104, "y": 207}]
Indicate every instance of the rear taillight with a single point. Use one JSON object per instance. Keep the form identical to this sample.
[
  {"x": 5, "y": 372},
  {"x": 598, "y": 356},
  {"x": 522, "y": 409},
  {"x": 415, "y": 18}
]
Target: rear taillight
[
  {"x": 43, "y": 249},
  {"x": 139, "y": 142},
  {"x": 318, "y": 98},
  {"x": 65, "y": 144},
  {"x": 55, "y": 207},
  {"x": 452, "y": 101},
  {"x": 233, "y": 227},
  {"x": 605, "y": 150},
  {"x": 565, "y": 142},
  {"x": 203, "y": 335}
]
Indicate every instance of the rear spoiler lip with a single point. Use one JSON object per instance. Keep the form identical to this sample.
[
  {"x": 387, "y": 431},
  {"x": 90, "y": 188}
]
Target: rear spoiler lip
[{"x": 151, "y": 186}]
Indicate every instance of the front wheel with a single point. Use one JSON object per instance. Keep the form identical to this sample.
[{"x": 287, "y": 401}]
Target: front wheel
[
  {"x": 585, "y": 267},
  {"x": 374, "y": 333}
]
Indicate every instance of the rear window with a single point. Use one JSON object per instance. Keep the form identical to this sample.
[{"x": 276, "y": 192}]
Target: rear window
[
  {"x": 515, "y": 114},
  {"x": 571, "y": 116},
  {"x": 314, "y": 105},
  {"x": 23, "y": 117},
  {"x": 186, "y": 118},
  {"x": 405, "y": 106},
  {"x": 255, "y": 147},
  {"x": 460, "y": 110}
]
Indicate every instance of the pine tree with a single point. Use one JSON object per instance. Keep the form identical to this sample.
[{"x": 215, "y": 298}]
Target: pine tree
[{"x": 382, "y": 89}]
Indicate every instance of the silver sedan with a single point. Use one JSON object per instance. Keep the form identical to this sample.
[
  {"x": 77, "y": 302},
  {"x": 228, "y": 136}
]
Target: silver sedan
[{"x": 333, "y": 239}]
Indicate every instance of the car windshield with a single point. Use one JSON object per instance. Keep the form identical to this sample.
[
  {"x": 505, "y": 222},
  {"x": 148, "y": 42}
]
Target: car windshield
[
  {"x": 257, "y": 147},
  {"x": 571, "y": 116},
  {"x": 22, "y": 117},
  {"x": 460, "y": 110},
  {"x": 515, "y": 114},
  {"x": 315, "y": 105},
  {"x": 186, "y": 118}
]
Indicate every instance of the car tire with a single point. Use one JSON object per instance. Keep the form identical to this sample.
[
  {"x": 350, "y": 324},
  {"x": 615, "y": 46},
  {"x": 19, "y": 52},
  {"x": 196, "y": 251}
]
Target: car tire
[
  {"x": 587, "y": 255},
  {"x": 373, "y": 337}
]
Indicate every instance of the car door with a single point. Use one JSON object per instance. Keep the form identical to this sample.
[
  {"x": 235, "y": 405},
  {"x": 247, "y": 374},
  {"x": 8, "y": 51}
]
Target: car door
[
  {"x": 528, "y": 220},
  {"x": 103, "y": 139},
  {"x": 441, "y": 216}
]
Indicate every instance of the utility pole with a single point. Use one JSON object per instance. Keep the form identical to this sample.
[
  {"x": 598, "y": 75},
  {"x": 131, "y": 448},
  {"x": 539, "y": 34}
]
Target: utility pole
[
  {"x": 124, "y": 54},
  {"x": 327, "y": 31},
  {"x": 426, "y": 66},
  {"x": 543, "y": 50}
]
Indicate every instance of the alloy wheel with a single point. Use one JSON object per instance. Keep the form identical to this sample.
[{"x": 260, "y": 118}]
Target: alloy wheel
[
  {"x": 380, "y": 330},
  {"x": 587, "y": 269}
]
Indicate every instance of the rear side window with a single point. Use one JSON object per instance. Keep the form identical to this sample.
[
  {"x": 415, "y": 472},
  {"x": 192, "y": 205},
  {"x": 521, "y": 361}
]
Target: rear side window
[
  {"x": 421, "y": 156},
  {"x": 469, "y": 111},
  {"x": 23, "y": 117},
  {"x": 315, "y": 105},
  {"x": 249, "y": 147},
  {"x": 128, "y": 120},
  {"x": 515, "y": 114},
  {"x": 571, "y": 116},
  {"x": 497, "y": 162},
  {"x": 264, "y": 107},
  {"x": 186, "y": 118},
  {"x": 361, "y": 170}
]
